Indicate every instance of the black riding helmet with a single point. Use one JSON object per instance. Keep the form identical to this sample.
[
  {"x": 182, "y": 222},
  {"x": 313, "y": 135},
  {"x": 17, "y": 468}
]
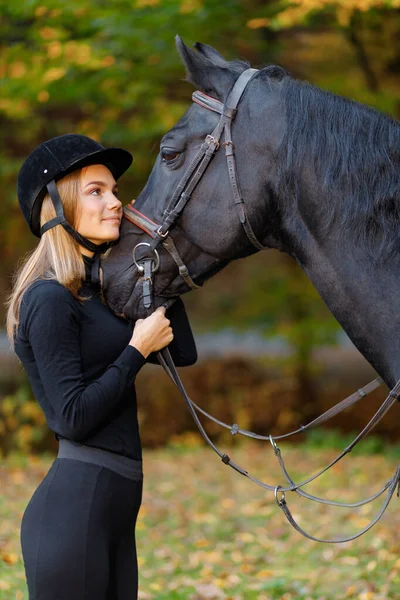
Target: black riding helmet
[{"x": 51, "y": 161}]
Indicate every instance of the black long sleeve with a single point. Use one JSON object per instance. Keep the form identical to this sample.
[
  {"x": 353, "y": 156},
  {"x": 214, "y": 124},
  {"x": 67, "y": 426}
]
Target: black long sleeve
[
  {"x": 52, "y": 322},
  {"x": 81, "y": 366}
]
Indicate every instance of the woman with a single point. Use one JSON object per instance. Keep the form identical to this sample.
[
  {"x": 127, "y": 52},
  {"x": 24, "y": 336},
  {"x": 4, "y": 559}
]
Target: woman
[{"x": 77, "y": 532}]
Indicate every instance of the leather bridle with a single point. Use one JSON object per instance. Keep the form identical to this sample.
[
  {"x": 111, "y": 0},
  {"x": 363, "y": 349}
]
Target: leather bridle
[
  {"x": 160, "y": 232},
  {"x": 148, "y": 264}
]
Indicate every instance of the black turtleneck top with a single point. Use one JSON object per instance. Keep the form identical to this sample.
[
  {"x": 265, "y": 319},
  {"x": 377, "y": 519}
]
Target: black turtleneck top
[{"x": 81, "y": 366}]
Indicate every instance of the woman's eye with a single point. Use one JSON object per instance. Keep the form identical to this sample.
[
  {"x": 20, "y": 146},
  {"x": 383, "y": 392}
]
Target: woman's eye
[
  {"x": 168, "y": 155},
  {"x": 95, "y": 192}
]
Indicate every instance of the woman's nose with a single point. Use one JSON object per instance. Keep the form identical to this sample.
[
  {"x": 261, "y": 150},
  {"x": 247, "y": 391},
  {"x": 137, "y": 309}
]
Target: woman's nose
[{"x": 114, "y": 202}]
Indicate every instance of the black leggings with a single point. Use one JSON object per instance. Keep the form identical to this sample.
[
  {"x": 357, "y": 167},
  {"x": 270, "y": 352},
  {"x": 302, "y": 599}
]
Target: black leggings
[{"x": 77, "y": 533}]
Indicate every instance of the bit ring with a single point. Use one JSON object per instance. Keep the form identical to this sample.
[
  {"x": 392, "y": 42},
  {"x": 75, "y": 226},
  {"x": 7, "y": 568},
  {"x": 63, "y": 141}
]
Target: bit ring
[{"x": 155, "y": 261}]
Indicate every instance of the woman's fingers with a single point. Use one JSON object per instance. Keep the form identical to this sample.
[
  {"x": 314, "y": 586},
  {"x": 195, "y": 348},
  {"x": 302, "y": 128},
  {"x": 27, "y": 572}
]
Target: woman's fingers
[{"x": 153, "y": 333}]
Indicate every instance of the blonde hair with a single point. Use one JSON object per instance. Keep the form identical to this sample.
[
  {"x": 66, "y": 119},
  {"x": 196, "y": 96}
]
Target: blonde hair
[{"x": 57, "y": 256}]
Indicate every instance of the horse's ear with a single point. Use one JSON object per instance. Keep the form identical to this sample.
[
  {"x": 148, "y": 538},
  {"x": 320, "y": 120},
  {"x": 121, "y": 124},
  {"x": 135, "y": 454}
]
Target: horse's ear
[
  {"x": 211, "y": 54},
  {"x": 204, "y": 73}
]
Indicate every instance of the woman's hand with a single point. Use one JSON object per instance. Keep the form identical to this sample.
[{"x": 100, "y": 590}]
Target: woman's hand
[{"x": 152, "y": 334}]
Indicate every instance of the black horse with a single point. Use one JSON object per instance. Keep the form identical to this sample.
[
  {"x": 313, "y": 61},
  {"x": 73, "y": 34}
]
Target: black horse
[{"x": 320, "y": 177}]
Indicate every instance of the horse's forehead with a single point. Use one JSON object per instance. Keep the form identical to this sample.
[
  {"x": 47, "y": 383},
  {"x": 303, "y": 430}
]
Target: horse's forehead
[{"x": 195, "y": 120}]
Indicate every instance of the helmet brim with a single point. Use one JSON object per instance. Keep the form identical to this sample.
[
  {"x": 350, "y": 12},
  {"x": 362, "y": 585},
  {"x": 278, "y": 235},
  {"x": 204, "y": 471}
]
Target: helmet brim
[{"x": 117, "y": 160}]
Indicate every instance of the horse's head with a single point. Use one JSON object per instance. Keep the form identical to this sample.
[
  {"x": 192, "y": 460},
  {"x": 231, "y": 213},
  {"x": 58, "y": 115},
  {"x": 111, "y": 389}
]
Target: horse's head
[
  {"x": 318, "y": 178},
  {"x": 191, "y": 191}
]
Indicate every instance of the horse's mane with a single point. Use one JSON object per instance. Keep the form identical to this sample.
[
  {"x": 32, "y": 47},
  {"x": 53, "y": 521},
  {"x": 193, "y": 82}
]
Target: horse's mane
[{"x": 353, "y": 152}]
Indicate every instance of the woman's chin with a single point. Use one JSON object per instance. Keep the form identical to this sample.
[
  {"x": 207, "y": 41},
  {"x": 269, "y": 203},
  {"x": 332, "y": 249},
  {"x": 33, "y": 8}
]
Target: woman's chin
[{"x": 111, "y": 235}]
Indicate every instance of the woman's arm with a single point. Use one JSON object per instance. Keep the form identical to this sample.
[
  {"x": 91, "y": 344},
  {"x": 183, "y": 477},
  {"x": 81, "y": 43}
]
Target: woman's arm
[
  {"x": 50, "y": 321},
  {"x": 183, "y": 347}
]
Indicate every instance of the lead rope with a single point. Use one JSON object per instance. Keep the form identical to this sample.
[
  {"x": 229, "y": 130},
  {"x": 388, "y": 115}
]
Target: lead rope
[{"x": 168, "y": 365}]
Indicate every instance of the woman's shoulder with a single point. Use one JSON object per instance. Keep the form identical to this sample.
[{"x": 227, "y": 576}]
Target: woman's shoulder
[
  {"x": 48, "y": 303},
  {"x": 47, "y": 292}
]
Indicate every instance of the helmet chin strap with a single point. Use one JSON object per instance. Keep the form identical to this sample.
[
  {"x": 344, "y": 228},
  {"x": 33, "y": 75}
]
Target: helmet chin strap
[{"x": 59, "y": 219}]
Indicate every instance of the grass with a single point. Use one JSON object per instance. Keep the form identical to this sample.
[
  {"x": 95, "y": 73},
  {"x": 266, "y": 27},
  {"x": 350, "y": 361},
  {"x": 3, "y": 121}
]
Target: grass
[{"x": 206, "y": 532}]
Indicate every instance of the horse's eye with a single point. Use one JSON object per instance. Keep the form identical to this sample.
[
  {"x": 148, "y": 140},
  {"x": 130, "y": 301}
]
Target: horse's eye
[{"x": 169, "y": 155}]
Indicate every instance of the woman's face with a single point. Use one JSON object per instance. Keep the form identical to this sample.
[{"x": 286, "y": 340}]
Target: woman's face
[{"x": 99, "y": 212}]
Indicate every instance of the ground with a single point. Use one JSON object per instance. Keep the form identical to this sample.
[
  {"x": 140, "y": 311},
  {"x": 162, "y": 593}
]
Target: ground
[{"x": 206, "y": 532}]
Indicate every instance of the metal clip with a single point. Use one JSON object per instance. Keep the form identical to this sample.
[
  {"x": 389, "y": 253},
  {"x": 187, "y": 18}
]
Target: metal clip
[
  {"x": 274, "y": 445},
  {"x": 235, "y": 429},
  {"x": 282, "y": 501}
]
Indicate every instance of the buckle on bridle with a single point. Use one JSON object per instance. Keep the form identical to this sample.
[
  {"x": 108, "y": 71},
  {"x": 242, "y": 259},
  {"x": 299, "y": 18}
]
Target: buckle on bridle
[
  {"x": 162, "y": 235},
  {"x": 211, "y": 140}
]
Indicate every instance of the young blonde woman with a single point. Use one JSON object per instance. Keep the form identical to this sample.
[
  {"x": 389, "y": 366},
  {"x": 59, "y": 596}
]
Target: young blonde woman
[{"x": 77, "y": 532}]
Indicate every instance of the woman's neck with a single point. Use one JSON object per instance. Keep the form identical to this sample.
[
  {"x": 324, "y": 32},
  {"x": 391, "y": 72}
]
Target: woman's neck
[{"x": 86, "y": 252}]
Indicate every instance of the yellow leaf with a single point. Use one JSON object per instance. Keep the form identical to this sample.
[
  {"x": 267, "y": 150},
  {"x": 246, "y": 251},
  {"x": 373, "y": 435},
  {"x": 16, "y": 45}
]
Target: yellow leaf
[
  {"x": 227, "y": 503},
  {"x": 10, "y": 558},
  {"x": 214, "y": 557},
  {"x": 48, "y": 33},
  {"x": 245, "y": 568},
  {"x": 84, "y": 54},
  {"x": 204, "y": 518},
  {"x": 54, "y": 74},
  {"x": 264, "y": 574},
  {"x": 8, "y": 404},
  {"x": 155, "y": 586},
  {"x": 17, "y": 477},
  {"x": 344, "y": 15},
  {"x": 17, "y": 69},
  {"x": 40, "y": 11},
  {"x": 4, "y": 585},
  {"x": 54, "y": 49},
  {"x": 257, "y": 23},
  {"x": 143, "y": 3},
  {"x": 108, "y": 61},
  {"x": 189, "y": 6},
  {"x": 350, "y": 560}
]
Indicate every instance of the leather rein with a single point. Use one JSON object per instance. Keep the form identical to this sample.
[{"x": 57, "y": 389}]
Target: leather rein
[{"x": 147, "y": 265}]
